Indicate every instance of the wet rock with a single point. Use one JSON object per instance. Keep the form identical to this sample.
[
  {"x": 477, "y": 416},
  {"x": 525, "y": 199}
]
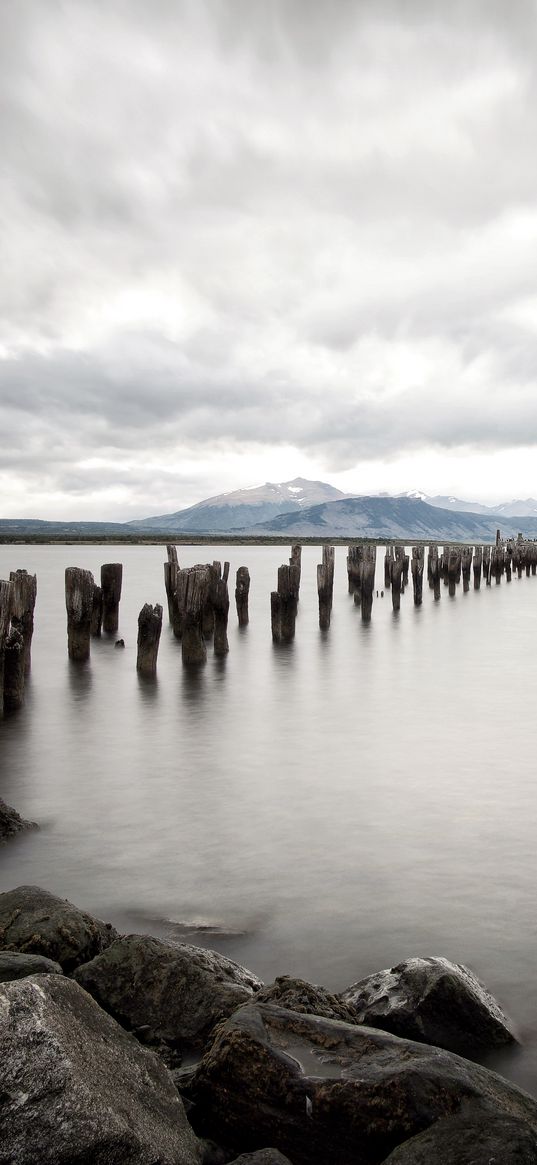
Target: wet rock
[
  {"x": 75, "y": 1088},
  {"x": 322, "y": 1090},
  {"x": 14, "y": 965},
  {"x": 434, "y": 1001},
  {"x": 171, "y": 995},
  {"x": 34, "y": 921},
  {"x": 298, "y": 995},
  {"x": 11, "y": 822},
  {"x": 474, "y": 1136}
]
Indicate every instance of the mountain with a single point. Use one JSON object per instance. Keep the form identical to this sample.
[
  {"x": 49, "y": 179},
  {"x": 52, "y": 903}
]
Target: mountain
[
  {"x": 527, "y": 508},
  {"x": 517, "y": 508},
  {"x": 243, "y": 507},
  {"x": 392, "y": 518},
  {"x": 35, "y": 527}
]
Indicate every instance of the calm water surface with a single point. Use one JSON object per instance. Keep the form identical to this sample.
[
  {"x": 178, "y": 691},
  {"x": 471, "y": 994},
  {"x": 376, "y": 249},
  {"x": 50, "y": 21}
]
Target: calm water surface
[{"x": 325, "y": 809}]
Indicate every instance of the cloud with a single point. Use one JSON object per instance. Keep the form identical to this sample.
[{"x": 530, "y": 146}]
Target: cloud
[{"x": 239, "y": 228}]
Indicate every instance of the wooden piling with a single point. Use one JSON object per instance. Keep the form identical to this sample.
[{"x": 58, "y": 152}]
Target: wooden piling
[
  {"x": 433, "y": 571},
  {"x": 388, "y": 560},
  {"x": 14, "y": 670},
  {"x": 418, "y": 562},
  {"x": 193, "y": 585},
  {"x": 22, "y": 610},
  {"x": 466, "y": 564},
  {"x": 397, "y": 575},
  {"x": 171, "y": 566},
  {"x": 367, "y": 580},
  {"x": 6, "y": 590},
  {"x": 453, "y": 568},
  {"x": 486, "y": 565},
  {"x": 325, "y": 586},
  {"x": 242, "y": 591},
  {"x": 79, "y": 604},
  {"x": 354, "y": 569},
  {"x": 96, "y": 612},
  {"x": 111, "y": 578},
  {"x": 221, "y": 612},
  {"x": 284, "y": 604},
  {"x": 406, "y": 564},
  {"x": 296, "y": 560},
  {"x": 149, "y": 629},
  {"x": 477, "y": 567}
]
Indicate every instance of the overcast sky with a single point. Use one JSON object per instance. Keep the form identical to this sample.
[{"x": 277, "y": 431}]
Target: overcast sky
[{"x": 243, "y": 240}]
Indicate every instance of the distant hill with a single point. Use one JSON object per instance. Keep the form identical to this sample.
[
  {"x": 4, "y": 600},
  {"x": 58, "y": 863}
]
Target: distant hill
[
  {"x": 34, "y": 527},
  {"x": 393, "y": 518},
  {"x": 522, "y": 508},
  {"x": 243, "y": 507}
]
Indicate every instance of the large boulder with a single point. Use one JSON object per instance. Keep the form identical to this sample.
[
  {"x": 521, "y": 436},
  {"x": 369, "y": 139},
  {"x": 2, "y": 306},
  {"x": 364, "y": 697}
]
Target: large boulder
[
  {"x": 322, "y": 1090},
  {"x": 14, "y": 965},
  {"x": 434, "y": 1001},
  {"x": 474, "y": 1136},
  {"x": 11, "y": 822},
  {"x": 34, "y": 921},
  {"x": 77, "y": 1090},
  {"x": 298, "y": 995},
  {"x": 170, "y": 995}
]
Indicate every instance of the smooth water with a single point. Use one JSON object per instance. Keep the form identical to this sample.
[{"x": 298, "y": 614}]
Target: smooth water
[{"x": 323, "y": 809}]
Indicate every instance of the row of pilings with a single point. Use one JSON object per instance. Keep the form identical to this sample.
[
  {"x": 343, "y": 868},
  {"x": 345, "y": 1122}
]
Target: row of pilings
[{"x": 198, "y": 605}]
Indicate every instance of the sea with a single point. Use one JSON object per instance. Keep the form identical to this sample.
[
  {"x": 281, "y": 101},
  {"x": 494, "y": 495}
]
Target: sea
[{"x": 323, "y": 809}]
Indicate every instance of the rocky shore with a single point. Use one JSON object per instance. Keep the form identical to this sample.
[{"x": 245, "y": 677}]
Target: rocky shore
[{"x": 125, "y": 1050}]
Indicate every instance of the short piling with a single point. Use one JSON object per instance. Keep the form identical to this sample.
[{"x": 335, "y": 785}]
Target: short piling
[
  {"x": 79, "y": 586},
  {"x": 242, "y": 591},
  {"x": 284, "y": 604},
  {"x": 221, "y": 611},
  {"x": 22, "y": 610},
  {"x": 193, "y": 586},
  {"x": 367, "y": 580},
  {"x": 418, "y": 562},
  {"x": 325, "y": 586},
  {"x": 149, "y": 629},
  {"x": 111, "y": 579}
]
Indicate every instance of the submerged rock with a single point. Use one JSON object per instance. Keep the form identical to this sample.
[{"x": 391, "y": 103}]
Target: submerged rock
[
  {"x": 475, "y": 1136},
  {"x": 298, "y": 995},
  {"x": 434, "y": 1001},
  {"x": 169, "y": 995},
  {"x": 322, "y": 1090},
  {"x": 14, "y": 965},
  {"x": 34, "y": 921},
  {"x": 75, "y": 1088},
  {"x": 11, "y": 822}
]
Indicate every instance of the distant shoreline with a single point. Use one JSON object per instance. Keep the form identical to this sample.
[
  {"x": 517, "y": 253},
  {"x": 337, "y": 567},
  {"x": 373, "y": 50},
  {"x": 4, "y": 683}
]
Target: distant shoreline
[{"x": 230, "y": 540}]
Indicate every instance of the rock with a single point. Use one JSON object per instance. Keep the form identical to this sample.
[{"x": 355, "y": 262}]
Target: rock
[
  {"x": 14, "y": 965},
  {"x": 322, "y": 1090},
  {"x": 171, "y": 995},
  {"x": 34, "y": 921},
  {"x": 11, "y": 822},
  {"x": 472, "y": 1137},
  {"x": 261, "y": 1157},
  {"x": 433, "y": 1001},
  {"x": 75, "y": 1088},
  {"x": 298, "y": 995}
]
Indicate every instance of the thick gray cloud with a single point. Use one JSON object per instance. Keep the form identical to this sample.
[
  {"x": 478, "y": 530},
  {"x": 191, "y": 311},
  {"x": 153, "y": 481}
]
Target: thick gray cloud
[{"x": 230, "y": 229}]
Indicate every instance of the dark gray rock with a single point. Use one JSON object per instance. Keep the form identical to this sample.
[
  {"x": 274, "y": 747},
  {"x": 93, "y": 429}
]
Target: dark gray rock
[
  {"x": 434, "y": 1001},
  {"x": 11, "y": 822},
  {"x": 298, "y": 995},
  {"x": 474, "y": 1136},
  {"x": 14, "y": 965},
  {"x": 261, "y": 1157},
  {"x": 77, "y": 1090},
  {"x": 36, "y": 922},
  {"x": 322, "y": 1090},
  {"x": 170, "y": 995}
]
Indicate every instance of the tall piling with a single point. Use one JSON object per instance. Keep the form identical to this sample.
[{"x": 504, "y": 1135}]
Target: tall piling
[
  {"x": 325, "y": 586},
  {"x": 418, "y": 562},
  {"x": 96, "y": 612},
  {"x": 369, "y": 559},
  {"x": 23, "y": 598},
  {"x": 486, "y": 564},
  {"x": 466, "y": 564},
  {"x": 193, "y": 584},
  {"x": 171, "y": 567},
  {"x": 388, "y": 560},
  {"x": 433, "y": 571},
  {"x": 6, "y": 590},
  {"x": 14, "y": 670},
  {"x": 397, "y": 575},
  {"x": 111, "y": 579},
  {"x": 79, "y": 586},
  {"x": 406, "y": 565},
  {"x": 242, "y": 591},
  {"x": 477, "y": 567},
  {"x": 221, "y": 612},
  {"x": 149, "y": 629},
  {"x": 284, "y": 604},
  {"x": 296, "y": 560},
  {"x": 354, "y": 569},
  {"x": 453, "y": 568}
]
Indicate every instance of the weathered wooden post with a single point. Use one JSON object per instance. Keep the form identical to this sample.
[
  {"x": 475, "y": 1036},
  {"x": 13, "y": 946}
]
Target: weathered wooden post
[
  {"x": 14, "y": 670},
  {"x": 149, "y": 629},
  {"x": 433, "y": 571},
  {"x": 486, "y": 564},
  {"x": 325, "y": 586},
  {"x": 397, "y": 574},
  {"x": 477, "y": 566},
  {"x": 221, "y": 611},
  {"x": 296, "y": 560},
  {"x": 369, "y": 559},
  {"x": 418, "y": 562},
  {"x": 111, "y": 578},
  {"x": 466, "y": 563},
  {"x": 406, "y": 564},
  {"x": 242, "y": 591},
  {"x": 388, "y": 560},
  {"x": 453, "y": 568},
  {"x": 284, "y": 603},
  {"x": 6, "y": 598},
  {"x": 22, "y": 610},
  {"x": 207, "y": 623},
  {"x": 508, "y": 554},
  {"x": 97, "y": 611},
  {"x": 354, "y": 564},
  {"x": 193, "y": 586},
  {"x": 79, "y": 604},
  {"x": 171, "y": 566},
  {"x": 496, "y": 562}
]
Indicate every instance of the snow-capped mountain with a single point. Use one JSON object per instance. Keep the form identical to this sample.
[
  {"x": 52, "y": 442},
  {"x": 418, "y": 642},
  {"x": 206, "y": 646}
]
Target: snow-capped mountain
[{"x": 244, "y": 507}]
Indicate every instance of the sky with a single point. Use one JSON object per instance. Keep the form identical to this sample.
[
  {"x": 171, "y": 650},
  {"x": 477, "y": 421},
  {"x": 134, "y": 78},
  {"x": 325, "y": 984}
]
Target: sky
[{"x": 245, "y": 240}]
